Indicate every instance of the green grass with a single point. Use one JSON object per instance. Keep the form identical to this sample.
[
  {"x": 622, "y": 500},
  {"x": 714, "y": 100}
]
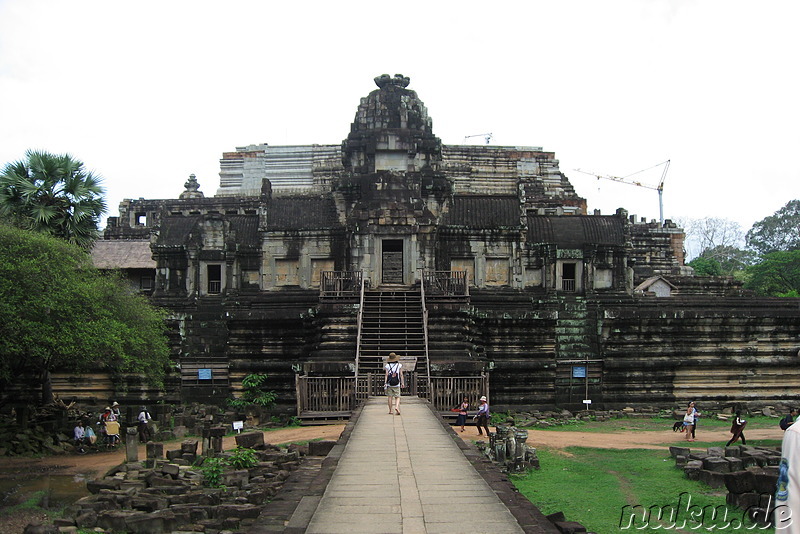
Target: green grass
[{"x": 592, "y": 486}]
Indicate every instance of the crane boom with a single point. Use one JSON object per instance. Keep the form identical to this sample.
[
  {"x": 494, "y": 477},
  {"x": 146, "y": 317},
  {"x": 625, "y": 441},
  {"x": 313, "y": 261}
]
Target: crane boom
[{"x": 626, "y": 180}]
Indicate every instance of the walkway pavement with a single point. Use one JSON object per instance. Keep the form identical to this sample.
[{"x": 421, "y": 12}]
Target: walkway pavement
[{"x": 406, "y": 474}]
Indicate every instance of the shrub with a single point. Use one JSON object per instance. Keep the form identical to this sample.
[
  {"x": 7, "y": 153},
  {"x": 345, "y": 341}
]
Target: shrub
[
  {"x": 243, "y": 458},
  {"x": 254, "y": 393}
]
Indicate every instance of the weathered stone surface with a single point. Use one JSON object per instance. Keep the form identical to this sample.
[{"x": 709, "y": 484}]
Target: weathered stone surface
[
  {"x": 250, "y": 440},
  {"x": 320, "y": 448},
  {"x": 714, "y": 479},
  {"x": 679, "y": 451},
  {"x": 716, "y": 464},
  {"x": 740, "y": 481},
  {"x": 716, "y": 451},
  {"x": 154, "y": 450}
]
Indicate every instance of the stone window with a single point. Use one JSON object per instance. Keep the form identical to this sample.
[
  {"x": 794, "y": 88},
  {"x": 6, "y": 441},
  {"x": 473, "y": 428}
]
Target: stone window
[
  {"x": 497, "y": 271},
  {"x": 147, "y": 282},
  {"x": 250, "y": 279},
  {"x": 317, "y": 266},
  {"x": 464, "y": 264},
  {"x": 287, "y": 272},
  {"x": 603, "y": 278}
]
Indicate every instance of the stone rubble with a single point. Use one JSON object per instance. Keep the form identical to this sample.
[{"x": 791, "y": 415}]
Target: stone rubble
[{"x": 162, "y": 495}]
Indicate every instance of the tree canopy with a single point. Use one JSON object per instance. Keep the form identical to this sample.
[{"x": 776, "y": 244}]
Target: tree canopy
[
  {"x": 780, "y": 231},
  {"x": 58, "y": 312},
  {"x": 53, "y": 194},
  {"x": 776, "y": 275}
]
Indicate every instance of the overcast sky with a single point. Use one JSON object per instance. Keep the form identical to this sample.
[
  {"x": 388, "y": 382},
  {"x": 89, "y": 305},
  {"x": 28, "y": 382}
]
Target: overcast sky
[{"x": 147, "y": 93}]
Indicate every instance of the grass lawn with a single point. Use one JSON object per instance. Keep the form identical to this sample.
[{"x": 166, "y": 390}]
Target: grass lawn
[{"x": 594, "y": 486}]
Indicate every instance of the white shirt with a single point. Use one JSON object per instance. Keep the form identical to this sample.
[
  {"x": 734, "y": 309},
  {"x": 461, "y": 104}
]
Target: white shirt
[
  {"x": 80, "y": 433},
  {"x": 787, "y": 496},
  {"x": 144, "y": 417},
  {"x": 395, "y": 367}
]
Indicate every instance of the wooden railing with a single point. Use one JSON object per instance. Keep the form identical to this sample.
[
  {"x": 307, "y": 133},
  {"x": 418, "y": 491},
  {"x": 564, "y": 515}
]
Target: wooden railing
[
  {"x": 359, "y": 321},
  {"x": 440, "y": 284},
  {"x": 340, "y": 284},
  {"x": 325, "y": 394},
  {"x": 343, "y": 393}
]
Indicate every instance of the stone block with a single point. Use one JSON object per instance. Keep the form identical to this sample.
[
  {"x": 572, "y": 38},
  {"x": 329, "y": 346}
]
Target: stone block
[
  {"x": 569, "y": 527},
  {"x": 155, "y": 450},
  {"x": 765, "y": 482},
  {"x": 171, "y": 455},
  {"x": 715, "y": 479},
  {"x": 238, "y": 511},
  {"x": 716, "y": 451},
  {"x": 716, "y": 464},
  {"x": 735, "y": 464},
  {"x": 115, "y": 520},
  {"x": 171, "y": 469},
  {"x": 320, "y": 448},
  {"x": 156, "y": 523},
  {"x": 733, "y": 452},
  {"x": 250, "y": 440},
  {"x": 236, "y": 478},
  {"x": 94, "y": 486},
  {"x": 679, "y": 451},
  {"x": 740, "y": 481},
  {"x": 189, "y": 446}
]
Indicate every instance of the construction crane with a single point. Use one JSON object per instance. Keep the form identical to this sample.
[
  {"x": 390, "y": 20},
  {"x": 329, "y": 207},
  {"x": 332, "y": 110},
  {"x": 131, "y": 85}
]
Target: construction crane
[
  {"x": 626, "y": 180},
  {"x": 486, "y": 136}
]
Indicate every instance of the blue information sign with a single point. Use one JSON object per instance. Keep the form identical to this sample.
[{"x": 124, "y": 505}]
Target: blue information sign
[
  {"x": 204, "y": 374},
  {"x": 579, "y": 371}
]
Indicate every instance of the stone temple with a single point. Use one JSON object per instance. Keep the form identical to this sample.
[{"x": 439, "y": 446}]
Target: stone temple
[{"x": 479, "y": 265}]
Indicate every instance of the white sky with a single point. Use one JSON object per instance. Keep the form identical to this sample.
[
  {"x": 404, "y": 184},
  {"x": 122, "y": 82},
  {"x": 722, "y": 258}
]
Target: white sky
[{"x": 147, "y": 93}]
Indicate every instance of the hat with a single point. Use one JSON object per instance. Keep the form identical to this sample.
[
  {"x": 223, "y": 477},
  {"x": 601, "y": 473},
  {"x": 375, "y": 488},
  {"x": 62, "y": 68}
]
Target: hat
[
  {"x": 115, "y": 403},
  {"x": 483, "y": 398},
  {"x": 108, "y": 408},
  {"x": 393, "y": 357}
]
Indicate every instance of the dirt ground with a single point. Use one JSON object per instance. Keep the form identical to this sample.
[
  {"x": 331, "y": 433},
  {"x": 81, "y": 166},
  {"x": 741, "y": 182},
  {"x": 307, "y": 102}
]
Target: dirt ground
[
  {"x": 95, "y": 464},
  {"x": 98, "y": 463}
]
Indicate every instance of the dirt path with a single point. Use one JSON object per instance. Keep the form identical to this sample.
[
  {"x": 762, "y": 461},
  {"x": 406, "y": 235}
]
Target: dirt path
[{"x": 98, "y": 463}]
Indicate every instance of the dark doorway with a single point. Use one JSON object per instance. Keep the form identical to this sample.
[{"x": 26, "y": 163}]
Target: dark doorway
[
  {"x": 392, "y": 261},
  {"x": 568, "y": 277}
]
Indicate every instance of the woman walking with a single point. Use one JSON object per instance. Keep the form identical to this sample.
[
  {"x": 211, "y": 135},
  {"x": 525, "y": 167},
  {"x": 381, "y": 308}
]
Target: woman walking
[
  {"x": 483, "y": 416},
  {"x": 462, "y": 413},
  {"x": 688, "y": 421}
]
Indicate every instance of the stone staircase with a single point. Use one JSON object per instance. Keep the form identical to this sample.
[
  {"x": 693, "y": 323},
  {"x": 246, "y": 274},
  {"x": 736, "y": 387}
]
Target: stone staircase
[
  {"x": 575, "y": 330},
  {"x": 392, "y": 321}
]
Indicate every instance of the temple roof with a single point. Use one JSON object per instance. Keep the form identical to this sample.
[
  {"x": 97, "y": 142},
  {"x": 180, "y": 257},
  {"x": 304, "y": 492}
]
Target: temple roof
[
  {"x": 122, "y": 254},
  {"x": 302, "y": 213},
  {"x": 576, "y": 231},
  {"x": 478, "y": 211}
]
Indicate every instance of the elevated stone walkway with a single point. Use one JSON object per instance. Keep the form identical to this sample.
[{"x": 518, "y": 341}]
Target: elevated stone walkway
[{"x": 409, "y": 474}]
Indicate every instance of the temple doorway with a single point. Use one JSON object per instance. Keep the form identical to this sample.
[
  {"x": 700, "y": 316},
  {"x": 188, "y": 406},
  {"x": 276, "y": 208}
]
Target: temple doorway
[{"x": 392, "y": 261}]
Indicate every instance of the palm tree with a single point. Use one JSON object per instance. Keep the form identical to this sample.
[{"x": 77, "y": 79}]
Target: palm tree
[{"x": 54, "y": 194}]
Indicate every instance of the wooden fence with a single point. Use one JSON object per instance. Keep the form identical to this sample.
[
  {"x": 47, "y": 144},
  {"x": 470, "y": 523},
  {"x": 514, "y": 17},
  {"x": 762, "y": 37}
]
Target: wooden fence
[{"x": 341, "y": 393}]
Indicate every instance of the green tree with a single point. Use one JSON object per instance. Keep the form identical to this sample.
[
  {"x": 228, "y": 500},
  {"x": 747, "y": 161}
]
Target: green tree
[
  {"x": 53, "y": 194},
  {"x": 777, "y": 275},
  {"x": 780, "y": 231},
  {"x": 705, "y": 266},
  {"x": 729, "y": 259},
  {"x": 57, "y": 312}
]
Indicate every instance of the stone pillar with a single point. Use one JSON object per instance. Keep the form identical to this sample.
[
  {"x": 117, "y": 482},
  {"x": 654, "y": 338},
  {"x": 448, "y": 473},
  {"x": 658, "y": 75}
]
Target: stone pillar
[{"x": 132, "y": 445}]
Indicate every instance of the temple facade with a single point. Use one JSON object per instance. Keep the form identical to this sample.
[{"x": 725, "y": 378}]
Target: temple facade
[{"x": 477, "y": 263}]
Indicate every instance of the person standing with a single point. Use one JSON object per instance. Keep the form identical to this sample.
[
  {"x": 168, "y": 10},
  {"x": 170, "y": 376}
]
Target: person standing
[
  {"x": 787, "y": 495},
  {"x": 393, "y": 382},
  {"x": 483, "y": 416},
  {"x": 695, "y": 416},
  {"x": 144, "y": 425},
  {"x": 116, "y": 411},
  {"x": 737, "y": 429},
  {"x": 688, "y": 421},
  {"x": 462, "y": 413}
]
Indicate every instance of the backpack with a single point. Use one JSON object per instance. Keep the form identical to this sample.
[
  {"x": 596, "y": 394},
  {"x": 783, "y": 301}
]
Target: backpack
[{"x": 394, "y": 376}]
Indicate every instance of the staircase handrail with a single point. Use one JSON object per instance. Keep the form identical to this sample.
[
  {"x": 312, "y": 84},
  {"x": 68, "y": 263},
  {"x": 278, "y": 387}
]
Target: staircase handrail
[
  {"x": 425, "y": 334},
  {"x": 358, "y": 325}
]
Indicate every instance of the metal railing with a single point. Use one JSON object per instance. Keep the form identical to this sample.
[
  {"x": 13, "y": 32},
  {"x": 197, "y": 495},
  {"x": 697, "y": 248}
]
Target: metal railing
[{"x": 359, "y": 322}]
